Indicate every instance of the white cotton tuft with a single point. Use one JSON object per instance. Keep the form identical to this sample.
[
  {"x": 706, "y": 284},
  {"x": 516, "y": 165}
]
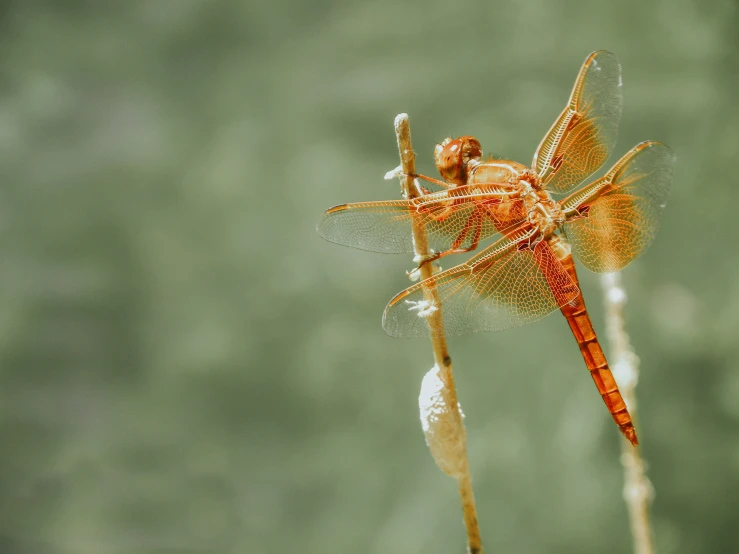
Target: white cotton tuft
[
  {"x": 612, "y": 284},
  {"x": 624, "y": 371},
  {"x": 616, "y": 295},
  {"x": 443, "y": 428},
  {"x": 395, "y": 173},
  {"x": 414, "y": 274},
  {"x": 424, "y": 307},
  {"x": 399, "y": 120}
]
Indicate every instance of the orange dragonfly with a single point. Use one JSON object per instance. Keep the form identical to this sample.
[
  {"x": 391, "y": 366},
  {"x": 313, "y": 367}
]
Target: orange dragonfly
[
  {"x": 474, "y": 206},
  {"x": 529, "y": 271}
]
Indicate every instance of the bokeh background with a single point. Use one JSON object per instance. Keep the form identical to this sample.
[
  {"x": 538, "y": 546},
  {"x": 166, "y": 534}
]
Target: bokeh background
[{"x": 185, "y": 366}]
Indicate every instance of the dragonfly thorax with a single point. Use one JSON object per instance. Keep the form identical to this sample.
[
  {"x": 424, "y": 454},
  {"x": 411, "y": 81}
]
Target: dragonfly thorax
[{"x": 543, "y": 211}]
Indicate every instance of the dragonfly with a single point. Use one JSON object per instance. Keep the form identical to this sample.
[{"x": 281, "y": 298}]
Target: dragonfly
[{"x": 540, "y": 220}]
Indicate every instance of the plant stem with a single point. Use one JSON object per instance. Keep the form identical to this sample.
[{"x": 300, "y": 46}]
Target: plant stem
[
  {"x": 438, "y": 339},
  {"x": 638, "y": 491}
]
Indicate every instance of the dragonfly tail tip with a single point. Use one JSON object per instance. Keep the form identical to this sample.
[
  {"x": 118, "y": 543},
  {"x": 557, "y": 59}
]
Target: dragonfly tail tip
[{"x": 630, "y": 433}]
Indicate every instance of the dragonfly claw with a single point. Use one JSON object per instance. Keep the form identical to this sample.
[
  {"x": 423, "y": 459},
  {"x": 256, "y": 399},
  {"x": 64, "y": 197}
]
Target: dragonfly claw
[
  {"x": 420, "y": 259},
  {"x": 415, "y": 273}
]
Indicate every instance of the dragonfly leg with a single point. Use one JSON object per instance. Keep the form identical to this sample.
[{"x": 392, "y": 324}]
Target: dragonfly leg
[
  {"x": 456, "y": 247},
  {"x": 432, "y": 180},
  {"x": 475, "y": 220}
]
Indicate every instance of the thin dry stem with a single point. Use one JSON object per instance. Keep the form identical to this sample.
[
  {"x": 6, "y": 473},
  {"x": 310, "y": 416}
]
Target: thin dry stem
[
  {"x": 410, "y": 189},
  {"x": 638, "y": 491}
]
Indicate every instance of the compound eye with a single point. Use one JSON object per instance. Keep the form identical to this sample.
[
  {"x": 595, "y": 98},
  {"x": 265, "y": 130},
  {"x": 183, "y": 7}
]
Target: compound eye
[
  {"x": 452, "y": 155},
  {"x": 449, "y": 158}
]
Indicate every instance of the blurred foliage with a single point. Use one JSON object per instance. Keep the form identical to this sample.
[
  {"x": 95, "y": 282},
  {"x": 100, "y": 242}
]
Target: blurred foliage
[{"x": 186, "y": 367}]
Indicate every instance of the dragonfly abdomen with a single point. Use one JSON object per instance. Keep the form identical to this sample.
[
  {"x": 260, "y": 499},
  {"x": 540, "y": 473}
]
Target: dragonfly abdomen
[{"x": 595, "y": 359}]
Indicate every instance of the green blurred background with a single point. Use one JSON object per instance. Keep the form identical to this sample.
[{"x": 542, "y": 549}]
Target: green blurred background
[{"x": 185, "y": 366}]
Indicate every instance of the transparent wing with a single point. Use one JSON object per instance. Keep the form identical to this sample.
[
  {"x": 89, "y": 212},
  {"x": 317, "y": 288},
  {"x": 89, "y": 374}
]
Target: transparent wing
[
  {"x": 584, "y": 134},
  {"x": 616, "y": 217},
  {"x": 508, "y": 284},
  {"x": 458, "y": 218},
  {"x": 375, "y": 226}
]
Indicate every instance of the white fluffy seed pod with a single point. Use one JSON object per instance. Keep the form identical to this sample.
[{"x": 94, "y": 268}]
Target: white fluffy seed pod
[{"x": 444, "y": 430}]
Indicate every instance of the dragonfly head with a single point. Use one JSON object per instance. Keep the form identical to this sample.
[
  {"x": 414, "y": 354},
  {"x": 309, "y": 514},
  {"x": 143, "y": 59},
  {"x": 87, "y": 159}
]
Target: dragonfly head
[{"x": 453, "y": 155}]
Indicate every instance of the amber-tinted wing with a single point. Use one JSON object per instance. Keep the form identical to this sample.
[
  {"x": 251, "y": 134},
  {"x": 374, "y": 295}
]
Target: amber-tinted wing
[
  {"x": 584, "y": 134},
  {"x": 460, "y": 217},
  {"x": 508, "y": 284},
  {"x": 612, "y": 220}
]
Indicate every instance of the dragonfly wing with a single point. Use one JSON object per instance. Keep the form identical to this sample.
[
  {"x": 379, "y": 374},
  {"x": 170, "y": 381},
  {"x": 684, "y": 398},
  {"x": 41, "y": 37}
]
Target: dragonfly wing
[
  {"x": 618, "y": 215},
  {"x": 506, "y": 285},
  {"x": 468, "y": 214},
  {"x": 584, "y": 134},
  {"x": 461, "y": 220},
  {"x": 376, "y": 226}
]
